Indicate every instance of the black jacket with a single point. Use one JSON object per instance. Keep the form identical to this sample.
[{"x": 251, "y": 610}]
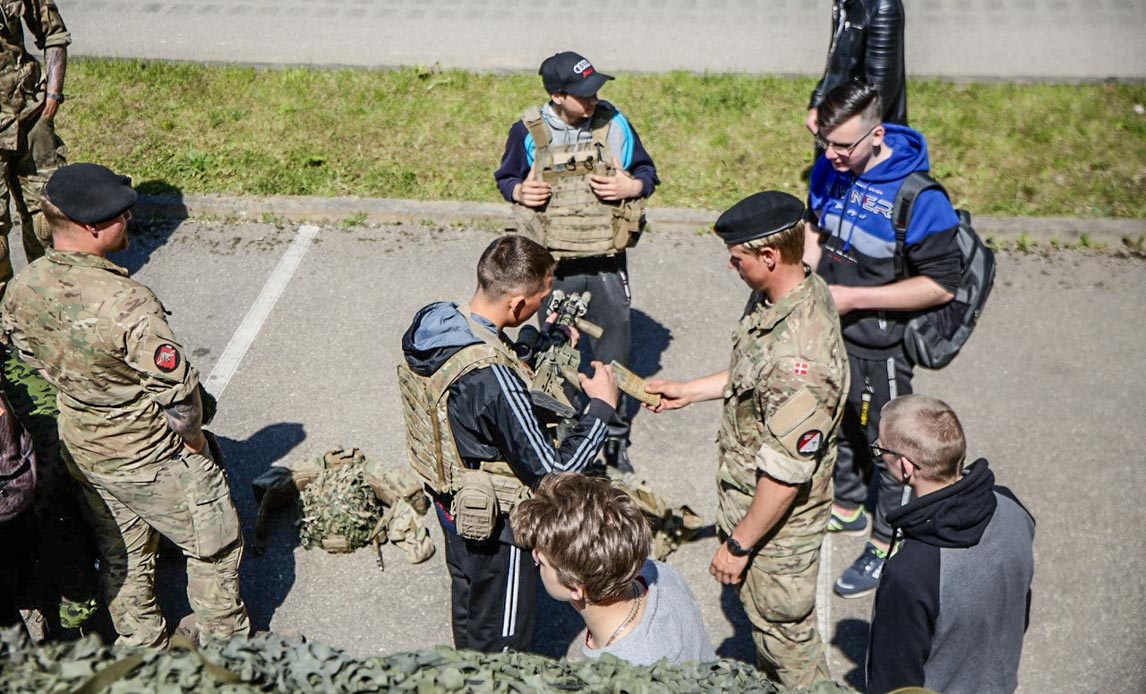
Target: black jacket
[
  {"x": 491, "y": 414},
  {"x": 867, "y": 44},
  {"x": 953, "y": 602}
]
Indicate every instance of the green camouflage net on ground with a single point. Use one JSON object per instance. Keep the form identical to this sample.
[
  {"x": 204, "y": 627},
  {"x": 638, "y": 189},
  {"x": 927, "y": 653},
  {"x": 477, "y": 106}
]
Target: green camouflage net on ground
[
  {"x": 269, "y": 662},
  {"x": 339, "y": 504}
]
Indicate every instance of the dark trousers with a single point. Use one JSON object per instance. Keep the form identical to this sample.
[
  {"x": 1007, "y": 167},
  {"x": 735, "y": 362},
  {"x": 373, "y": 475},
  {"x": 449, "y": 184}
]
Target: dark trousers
[
  {"x": 607, "y": 279},
  {"x": 883, "y": 380},
  {"x": 493, "y": 594}
]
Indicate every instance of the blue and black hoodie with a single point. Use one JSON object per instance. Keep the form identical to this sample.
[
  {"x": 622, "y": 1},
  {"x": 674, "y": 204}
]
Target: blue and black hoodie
[
  {"x": 854, "y": 214},
  {"x": 491, "y": 414}
]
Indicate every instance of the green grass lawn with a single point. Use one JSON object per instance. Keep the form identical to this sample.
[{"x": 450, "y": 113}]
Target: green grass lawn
[{"x": 1004, "y": 149}]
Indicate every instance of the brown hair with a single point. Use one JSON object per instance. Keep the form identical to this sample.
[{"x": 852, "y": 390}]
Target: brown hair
[
  {"x": 53, "y": 218},
  {"x": 790, "y": 244},
  {"x": 514, "y": 264},
  {"x": 592, "y": 533},
  {"x": 928, "y": 433},
  {"x": 846, "y": 101}
]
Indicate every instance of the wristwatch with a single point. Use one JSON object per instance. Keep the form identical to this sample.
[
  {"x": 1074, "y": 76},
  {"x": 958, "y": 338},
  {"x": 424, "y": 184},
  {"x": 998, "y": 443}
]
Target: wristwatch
[
  {"x": 58, "y": 98},
  {"x": 735, "y": 549}
]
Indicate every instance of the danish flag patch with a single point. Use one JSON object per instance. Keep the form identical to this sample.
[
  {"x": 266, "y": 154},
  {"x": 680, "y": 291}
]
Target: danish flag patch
[
  {"x": 166, "y": 358},
  {"x": 800, "y": 368}
]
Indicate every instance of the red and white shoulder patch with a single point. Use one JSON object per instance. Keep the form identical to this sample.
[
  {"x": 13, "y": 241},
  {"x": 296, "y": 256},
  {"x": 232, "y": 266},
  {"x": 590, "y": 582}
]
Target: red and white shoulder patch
[{"x": 167, "y": 358}]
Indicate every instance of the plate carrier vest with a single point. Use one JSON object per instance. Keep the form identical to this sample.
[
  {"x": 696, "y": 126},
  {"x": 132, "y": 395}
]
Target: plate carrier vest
[
  {"x": 575, "y": 222},
  {"x": 430, "y": 443}
]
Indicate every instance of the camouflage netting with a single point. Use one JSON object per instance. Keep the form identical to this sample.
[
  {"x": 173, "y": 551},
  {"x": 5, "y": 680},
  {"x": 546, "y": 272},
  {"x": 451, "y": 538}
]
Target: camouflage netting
[
  {"x": 348, "y": 502},
  {"x": 268, "y": 662}
]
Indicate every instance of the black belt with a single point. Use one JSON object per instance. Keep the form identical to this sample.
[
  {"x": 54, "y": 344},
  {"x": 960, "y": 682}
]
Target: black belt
[{"x": 594, "y": 263}]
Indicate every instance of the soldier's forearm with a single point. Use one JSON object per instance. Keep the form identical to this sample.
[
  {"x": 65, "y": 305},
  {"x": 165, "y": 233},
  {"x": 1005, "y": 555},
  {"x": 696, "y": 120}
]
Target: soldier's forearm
[
  {"x": 56, "y": 65},
  {"x": 186, "y": 419},
  {"x": 769, "y": 504}
]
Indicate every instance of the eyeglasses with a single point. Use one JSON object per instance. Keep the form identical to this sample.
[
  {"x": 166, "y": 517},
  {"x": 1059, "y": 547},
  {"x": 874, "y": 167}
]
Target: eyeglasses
[
  {"x": 846, "y": 150},
  {"x": 878, "y": 451}
]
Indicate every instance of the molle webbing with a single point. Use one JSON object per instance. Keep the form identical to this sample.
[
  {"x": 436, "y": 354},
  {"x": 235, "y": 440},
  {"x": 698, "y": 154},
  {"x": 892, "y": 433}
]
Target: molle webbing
[
  {"x": 575, "y": 222},
  {"x": 430, "y": 443}
]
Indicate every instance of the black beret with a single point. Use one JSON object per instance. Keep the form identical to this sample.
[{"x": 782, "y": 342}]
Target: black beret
[
  {"x": 758, "y": 216},
  {"x": 89, "y": 193}
]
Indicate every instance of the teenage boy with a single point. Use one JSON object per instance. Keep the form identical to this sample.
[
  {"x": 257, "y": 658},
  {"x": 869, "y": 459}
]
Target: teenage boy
[
  {"x": 578, "y": 176},
  {"x": 954, "y": 602},
  {"x": 592, "y": 544},
  {"x": 851, "y": 244},
  {"x": 480, "y": 444}
]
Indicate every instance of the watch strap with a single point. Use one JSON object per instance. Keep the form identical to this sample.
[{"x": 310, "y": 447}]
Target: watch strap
[{"x": 735, "y": 548}]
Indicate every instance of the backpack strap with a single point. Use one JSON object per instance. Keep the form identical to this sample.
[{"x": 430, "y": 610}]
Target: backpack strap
[{"x": 912, "y": 186}]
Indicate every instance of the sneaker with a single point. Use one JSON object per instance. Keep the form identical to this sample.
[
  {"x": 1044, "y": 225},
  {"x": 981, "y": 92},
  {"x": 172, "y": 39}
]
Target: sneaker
[
  {"x": 856, "y": 525},
  {"x": 862, "y": 577},
  {"x": 617, "y": 454}
]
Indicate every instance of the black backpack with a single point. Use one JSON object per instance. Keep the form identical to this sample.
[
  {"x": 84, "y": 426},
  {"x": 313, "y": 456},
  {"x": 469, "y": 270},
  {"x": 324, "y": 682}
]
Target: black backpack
[
  {"x": 934, "y": 336},
  {"x": 17, "y": 465}
]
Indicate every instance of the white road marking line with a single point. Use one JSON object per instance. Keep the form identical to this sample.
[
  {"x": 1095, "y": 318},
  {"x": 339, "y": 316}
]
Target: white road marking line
[
  {"x": 244, "y": 337},
  {"x": 824, "y": 596}
]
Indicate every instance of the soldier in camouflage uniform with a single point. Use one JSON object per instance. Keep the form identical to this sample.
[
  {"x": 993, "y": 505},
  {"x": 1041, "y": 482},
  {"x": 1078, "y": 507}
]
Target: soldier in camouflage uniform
[
  {"x": 29, "y": 148},
  {"x": 130, "y": 411},
  {"x": 782, "y": 404}
]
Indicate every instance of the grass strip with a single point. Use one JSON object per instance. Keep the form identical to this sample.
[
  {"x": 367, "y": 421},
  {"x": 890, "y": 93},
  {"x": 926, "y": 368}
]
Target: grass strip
[{"x": 1002, "y": 149}]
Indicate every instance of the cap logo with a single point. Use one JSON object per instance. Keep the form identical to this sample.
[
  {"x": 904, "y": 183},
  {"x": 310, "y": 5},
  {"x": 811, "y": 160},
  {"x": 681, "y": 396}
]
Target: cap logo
[{"x": 583, "y": 68}]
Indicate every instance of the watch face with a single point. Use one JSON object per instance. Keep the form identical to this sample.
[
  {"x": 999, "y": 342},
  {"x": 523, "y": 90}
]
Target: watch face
[{"x": 735, "y": 548}]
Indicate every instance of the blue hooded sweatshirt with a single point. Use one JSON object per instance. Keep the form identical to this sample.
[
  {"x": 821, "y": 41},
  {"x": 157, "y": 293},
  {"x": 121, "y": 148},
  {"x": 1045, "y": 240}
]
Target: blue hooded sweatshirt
[{"x": 854, "y": 215}]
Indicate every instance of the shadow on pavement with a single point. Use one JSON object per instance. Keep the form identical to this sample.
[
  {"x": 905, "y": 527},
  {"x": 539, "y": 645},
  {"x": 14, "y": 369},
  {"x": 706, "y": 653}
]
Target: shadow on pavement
[
  {"x": 851, "y": 638},
  {"x": 650, "y": 339},
  {"x": 739, "y": 646},
  {"x": 266, "y": 578},
  {"x": 158, "y": 214}
]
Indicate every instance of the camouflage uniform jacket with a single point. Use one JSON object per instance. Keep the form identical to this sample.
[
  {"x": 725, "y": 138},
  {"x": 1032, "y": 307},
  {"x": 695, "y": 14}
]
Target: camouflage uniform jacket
[
  {"x": 782, "y": 406},
  {"x": 103, "y": 340},
  {"x": 22, "y": 87}
]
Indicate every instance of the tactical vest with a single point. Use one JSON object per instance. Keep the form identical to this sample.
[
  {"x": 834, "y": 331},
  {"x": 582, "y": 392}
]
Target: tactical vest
[
  {"x": 430, "y": 443},
  {"x": 575, "y": 222}
]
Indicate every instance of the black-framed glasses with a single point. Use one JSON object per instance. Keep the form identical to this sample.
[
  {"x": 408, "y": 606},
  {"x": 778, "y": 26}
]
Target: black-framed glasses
[
  {"x": 845, "y": 149},
  {"x": 878, "y": 451}
]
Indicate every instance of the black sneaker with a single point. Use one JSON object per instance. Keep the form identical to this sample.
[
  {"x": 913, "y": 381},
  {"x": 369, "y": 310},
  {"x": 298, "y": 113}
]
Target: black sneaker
[
  {"x": 862, "y": 577},
  {"x": 617, "y": 454}
]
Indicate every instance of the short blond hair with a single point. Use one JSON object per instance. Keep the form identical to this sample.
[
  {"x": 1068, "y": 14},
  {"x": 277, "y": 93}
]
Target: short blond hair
[
  {"x": 790, "y": 244},
  {"x": 928, "y": 433},
  {"x": 591, "y": 532}
]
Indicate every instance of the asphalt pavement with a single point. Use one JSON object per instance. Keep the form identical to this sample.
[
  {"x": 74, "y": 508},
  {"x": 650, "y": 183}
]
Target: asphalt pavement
[
  {"x": 1049, "y": 390},
  {"x": 1039, "y": 39}
]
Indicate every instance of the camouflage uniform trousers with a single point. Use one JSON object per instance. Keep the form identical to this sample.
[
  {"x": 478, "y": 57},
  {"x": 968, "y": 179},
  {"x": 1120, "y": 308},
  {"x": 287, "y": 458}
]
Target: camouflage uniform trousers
[
  {"x": 779, "y": 595},
  {"x": 187, "y": 500},
  {"x": 23, "y": 173},
  {"x": 65, "y": 556}
]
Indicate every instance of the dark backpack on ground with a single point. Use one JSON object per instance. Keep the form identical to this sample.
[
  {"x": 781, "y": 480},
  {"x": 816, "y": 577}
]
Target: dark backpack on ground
[
  {"x": 17, "y": 465},
  {"x": 935, "y": 335}
]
